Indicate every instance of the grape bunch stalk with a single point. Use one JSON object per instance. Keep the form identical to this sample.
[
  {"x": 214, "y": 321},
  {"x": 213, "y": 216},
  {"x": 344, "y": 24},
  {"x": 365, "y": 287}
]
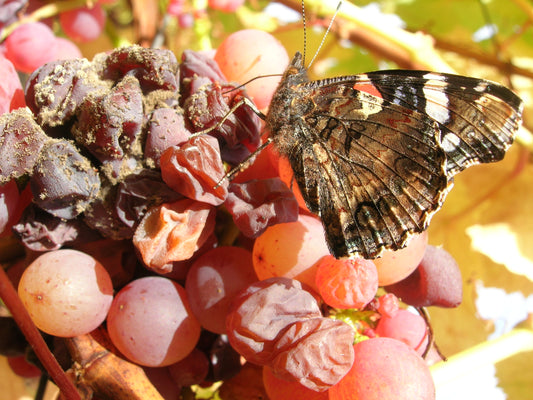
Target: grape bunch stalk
[{"x": 114, "y": 179}]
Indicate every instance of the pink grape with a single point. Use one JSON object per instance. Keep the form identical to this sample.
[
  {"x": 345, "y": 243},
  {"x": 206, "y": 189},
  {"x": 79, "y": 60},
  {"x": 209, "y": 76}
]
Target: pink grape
[
  {"x": 405, "y": 326},
  {"x": 212, "y": 282},
  {"x": 66, "y": 49},
  {"x": 83, "y": 24},
  {"x": 9, "y": 198},
  {"x": 30, "y": 46},
  {"x": 249, "y": 54},
  {"x": 393, "y": 266},
  {"x": 291, "y": 250},
  {"x": 151, "y": 323},
  {"x": 385, "y": 368},
  {"x": 66, "y": 292},
  {"x": 225, "y": 5},
  {"x": 11, "y": 93}
]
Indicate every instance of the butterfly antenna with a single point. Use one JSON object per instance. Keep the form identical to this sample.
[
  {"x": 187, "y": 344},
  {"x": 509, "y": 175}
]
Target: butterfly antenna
[
  {"x": 305, "y": 30},
  {"x": 325, "y": 34}
]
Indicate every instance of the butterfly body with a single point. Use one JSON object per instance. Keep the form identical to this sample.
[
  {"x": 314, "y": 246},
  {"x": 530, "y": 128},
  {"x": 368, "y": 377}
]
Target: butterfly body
[{"x": 374, "y": 154}]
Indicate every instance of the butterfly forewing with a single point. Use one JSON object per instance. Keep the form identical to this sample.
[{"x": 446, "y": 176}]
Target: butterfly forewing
[
  {"x": 374, "y": 154},
  {"x": 477, "y": 118}
]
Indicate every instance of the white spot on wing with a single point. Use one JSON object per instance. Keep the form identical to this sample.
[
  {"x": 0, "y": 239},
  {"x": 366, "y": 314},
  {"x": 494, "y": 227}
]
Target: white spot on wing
[
  {"x": 436, "y": 100},
  {"x": 450, "y": 142}
]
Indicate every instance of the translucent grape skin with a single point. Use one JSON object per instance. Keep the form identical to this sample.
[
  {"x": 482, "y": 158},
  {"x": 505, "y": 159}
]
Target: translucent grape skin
[
  {"x": 385, "y": 369},
  {"x": 151, "y": 323},
  {"x": 248, "y": 54},
  {"x": 66, "y": 292},
  {"x": 212, "y": 282},
  {"x": 291, "y": 250},
  {"x": 436, "y": 282},
  {"x": 393, "y": 266}
]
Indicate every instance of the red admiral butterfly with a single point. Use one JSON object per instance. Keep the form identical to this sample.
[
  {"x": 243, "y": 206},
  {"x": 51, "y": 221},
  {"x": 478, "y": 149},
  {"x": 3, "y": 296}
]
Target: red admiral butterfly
[{"x": 374, "y": 154}]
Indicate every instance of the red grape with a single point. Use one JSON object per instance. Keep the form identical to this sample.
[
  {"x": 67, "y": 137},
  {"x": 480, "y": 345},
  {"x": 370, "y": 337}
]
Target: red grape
[
  {"x": 212, "y": 282},
  {"x": 346, "y": 283},
  {"x": 11, "y": 93},
  {"x": 20, "y": 366},
  {"x": 83, "y": 24},
  {"x": 150, "y": 322},
  {"x": 166, "y": 128},
  {"x": 66, "y": 292},
  {"x": 385, "y": 369},
  {"x": 66, "y": 49},
  {"x": 30, "y": 46}
]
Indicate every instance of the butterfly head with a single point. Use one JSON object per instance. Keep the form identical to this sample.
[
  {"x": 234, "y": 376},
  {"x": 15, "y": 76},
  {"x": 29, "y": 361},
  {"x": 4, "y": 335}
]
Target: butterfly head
[{"x": 295, "y": 72}]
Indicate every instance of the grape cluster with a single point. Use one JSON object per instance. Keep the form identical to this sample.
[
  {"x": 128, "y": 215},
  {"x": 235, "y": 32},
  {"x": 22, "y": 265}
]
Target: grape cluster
[{"x": 124, "y": 158}]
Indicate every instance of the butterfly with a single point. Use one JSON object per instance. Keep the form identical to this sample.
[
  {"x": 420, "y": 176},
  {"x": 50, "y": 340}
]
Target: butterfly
[{"x": 374, "y": 154}]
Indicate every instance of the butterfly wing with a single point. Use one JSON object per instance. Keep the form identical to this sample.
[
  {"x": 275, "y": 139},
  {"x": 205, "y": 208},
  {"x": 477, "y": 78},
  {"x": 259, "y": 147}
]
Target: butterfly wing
[
  {"x": 374, "y": 154},
  {"x": 369, "y": 168},
  {"x": 477, "y": 118}
]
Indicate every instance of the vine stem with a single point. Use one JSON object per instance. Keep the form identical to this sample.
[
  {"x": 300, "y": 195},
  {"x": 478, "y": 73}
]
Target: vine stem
[
  {"x": 34, "y": 338},
  {"x": 517, "y": 341}
]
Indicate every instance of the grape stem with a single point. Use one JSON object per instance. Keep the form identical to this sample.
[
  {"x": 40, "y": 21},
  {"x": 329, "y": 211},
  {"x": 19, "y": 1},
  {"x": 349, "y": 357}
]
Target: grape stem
[
  {"x": 489, "y": 352},
  {"x": 22, "y": 318}
]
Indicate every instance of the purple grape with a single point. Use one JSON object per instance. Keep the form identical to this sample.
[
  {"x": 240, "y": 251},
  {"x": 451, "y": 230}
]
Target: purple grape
[
  {"x": 63, "y": 181},
  {"x": 21, "y": 140},
  {"x": 436, "y": 282}
]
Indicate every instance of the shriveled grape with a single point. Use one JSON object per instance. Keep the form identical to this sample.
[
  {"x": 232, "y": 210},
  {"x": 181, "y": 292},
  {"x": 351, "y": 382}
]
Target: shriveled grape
[
  {"x": 259, "y": 315},
  {"x": 316, "y": 352}
]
